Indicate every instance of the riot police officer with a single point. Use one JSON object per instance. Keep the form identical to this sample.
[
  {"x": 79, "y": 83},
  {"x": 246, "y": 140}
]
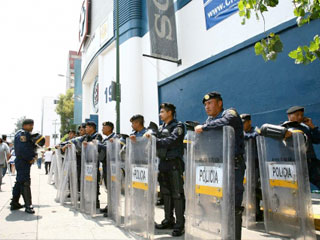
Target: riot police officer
[
  {"x": 92, "y": 134},
  {"x": 251, "y": 133},
  {"x": 25, "y": 154},
  {"x": 169, "y": 141},
  {"x": 217, "y": 118},
  {"x": 297, "y": 120}
]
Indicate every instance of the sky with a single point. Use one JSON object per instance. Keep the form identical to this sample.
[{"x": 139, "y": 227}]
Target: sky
[{"x": 35, "y": 38}]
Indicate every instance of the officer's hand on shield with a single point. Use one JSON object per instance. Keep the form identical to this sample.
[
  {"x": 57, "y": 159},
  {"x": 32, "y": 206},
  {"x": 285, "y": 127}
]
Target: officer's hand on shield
[
  {"x": 133, "y": 138},
  {"x": 85, "y": 143},
  {"x": 308, "y": 122},
  {"x": 111, "y": 140},
  {"x": 198, "y": 129},
  {"x": 288, "y": 134}
]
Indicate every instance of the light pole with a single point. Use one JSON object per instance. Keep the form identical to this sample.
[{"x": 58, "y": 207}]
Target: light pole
[
  {"x": 117, "y": 70},
  {"x": 55, "y": 135}
]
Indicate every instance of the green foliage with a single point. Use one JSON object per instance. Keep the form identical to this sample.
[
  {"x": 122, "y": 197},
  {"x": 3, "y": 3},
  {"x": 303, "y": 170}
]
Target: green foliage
[
  {"x": 307, "y": 54},
  {"x": 304, "y": 10},
  {"x": 269, "y": 47},
  {"x": 65, "y": 110}
]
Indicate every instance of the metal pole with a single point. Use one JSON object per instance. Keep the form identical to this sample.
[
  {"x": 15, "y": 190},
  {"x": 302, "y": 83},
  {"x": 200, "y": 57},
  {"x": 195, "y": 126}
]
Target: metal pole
[{"x": 117, "y": 70}]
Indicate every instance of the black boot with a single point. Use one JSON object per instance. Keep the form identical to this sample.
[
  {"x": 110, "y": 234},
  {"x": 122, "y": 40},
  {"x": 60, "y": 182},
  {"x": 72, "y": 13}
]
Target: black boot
[
  {"x": 26, "y": 194},
  {"x": 179, "y": 206},
  {"x": 29, "y": 210},
  {"x": 15, "y": 205},
  {"x": 169, "y": 220},
  {"x": 238, "y": 222}
]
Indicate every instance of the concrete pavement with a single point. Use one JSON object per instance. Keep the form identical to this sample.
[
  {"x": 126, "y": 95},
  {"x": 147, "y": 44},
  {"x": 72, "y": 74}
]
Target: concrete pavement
[{"x": 53, "y": 221}]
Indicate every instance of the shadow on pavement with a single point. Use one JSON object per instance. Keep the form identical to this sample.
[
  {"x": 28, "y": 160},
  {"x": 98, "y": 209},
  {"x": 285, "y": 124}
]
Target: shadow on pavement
[{"x": 15, "y": 216}]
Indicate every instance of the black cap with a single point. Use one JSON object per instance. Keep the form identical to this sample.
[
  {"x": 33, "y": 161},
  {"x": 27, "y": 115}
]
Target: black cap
[
  {"x": 27, "y": 121},
  {"x": 91, "y": 124},
  {"x": 136, "y": 117},
  {"x": 295, "y": 109},
  {"x": 211, "y": 95},
  {"x": 168, "y": 107},
  {"x": 110, "y": 124},
  {"x": 83, "y": 125},
  {"x": 72, "y": 131},
  {"x": 245, "y": 117}
]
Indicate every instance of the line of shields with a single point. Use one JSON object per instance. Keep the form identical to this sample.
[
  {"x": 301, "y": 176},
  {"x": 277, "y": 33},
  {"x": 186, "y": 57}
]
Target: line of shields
[{"x": 209, "y": 185}]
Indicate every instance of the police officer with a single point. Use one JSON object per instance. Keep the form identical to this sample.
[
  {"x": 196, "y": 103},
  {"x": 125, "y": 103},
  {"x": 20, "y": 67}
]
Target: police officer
[
  {"x": 251, "y": 133},
  {"x": 107, "y": 130},
  {"x": 25, "y": 154},
  {"x": 169, "y": 142},
  {"x": 217, "y": 118},
  {"x": 297, "y": 120},
  {"x": 92, "y": 134}
]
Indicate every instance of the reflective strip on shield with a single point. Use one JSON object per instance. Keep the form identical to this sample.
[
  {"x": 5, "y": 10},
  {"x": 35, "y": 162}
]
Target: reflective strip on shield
[
  {"x": 113, "y": 172},
  {"x": 209, "y": 180},
  {"x": 140, "y": 178},
  {"x": 88, "y": 173},
  {"x": 282, "y": 175}
]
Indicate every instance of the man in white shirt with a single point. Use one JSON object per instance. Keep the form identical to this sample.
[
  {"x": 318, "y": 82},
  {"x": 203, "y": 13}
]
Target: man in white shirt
[
  {"x": 47, "y": 160},
  {"x": 4, "y": 156}
]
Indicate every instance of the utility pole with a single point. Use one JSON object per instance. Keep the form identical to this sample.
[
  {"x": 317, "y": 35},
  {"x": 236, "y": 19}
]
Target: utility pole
[
  {"x": 55, "y": 136},
  {"x": 117, "y": 70}
]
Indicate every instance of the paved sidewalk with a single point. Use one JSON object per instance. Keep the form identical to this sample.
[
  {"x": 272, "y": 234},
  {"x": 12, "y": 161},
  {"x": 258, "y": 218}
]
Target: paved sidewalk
[{"x": 53, "y": 221}]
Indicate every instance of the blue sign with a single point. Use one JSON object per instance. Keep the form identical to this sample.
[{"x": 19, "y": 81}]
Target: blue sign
[{"x": 218, "y": 10}]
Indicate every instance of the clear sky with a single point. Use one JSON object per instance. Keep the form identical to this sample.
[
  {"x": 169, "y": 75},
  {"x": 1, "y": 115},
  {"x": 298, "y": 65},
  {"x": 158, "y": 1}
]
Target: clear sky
[{"x": 35, "y": 37}]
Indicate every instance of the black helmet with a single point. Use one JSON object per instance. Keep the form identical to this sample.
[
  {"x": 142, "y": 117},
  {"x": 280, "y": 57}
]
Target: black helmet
[{"x": 38, "y": 139}]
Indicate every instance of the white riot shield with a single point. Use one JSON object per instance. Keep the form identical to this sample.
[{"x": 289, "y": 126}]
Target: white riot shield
[
  {"x": 141, "y": 183},
  {"x": 58, "y": 172},
  {"x": 53, "y": 167},
  {"x": 210, "y": 194},
  {"x": 285, "y": 187},
  {"x": 63, "y": 190},
  {"x": 73, "y": 180},
  {"x": 89, "y": 164},
  {"x": 249, "y": 182},
  {"x": 114, "y": 181}
]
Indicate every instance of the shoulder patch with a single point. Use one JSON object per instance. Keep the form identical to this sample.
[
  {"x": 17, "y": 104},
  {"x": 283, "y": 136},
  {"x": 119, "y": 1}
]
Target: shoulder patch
[
  {"x": 180, "y": 130},
  {"x": 23, "y": 138},
  {"x": 233, "y": 112}
]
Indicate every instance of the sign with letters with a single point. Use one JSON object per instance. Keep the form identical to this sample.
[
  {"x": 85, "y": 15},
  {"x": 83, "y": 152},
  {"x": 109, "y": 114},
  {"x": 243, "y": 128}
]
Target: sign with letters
[
  {"x": 209, "y": 180},
  {"x": 88, "y": 172},
  {"x": 140, "y": 177},
  {"x": 218, "y": 10},
  {"x": 162, "y": 28},
  {"x": 283, "y": 175}
]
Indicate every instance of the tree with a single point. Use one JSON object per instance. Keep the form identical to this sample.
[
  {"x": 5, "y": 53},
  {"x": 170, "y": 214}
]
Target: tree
[
  {"x": 268, "y": 48},
  {"x": 19, "y": 123},
  {"x": 65, "y": 110}
]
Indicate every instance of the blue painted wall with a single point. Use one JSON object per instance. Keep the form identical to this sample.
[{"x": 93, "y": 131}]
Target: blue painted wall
[
  {"x": 77, "y": 114},
  {"x": 247, "y": 83}
]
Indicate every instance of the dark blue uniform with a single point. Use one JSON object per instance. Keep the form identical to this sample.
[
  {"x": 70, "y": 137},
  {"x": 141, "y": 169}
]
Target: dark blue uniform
[
  {"x": 313, "y": 137},
  {"x": 230, "y": 117},
  {"x": 25, "y": 152},
  {"x": 170, "y": 150}
]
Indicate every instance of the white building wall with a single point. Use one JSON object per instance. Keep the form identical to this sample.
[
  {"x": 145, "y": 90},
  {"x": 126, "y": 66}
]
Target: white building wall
[
  {"x": 49, "y": 118},
  {"x": 139, "y": 76}
]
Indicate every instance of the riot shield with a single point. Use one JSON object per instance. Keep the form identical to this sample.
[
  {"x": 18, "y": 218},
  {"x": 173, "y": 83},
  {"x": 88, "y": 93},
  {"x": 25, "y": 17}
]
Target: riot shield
[
  {"x": 57, "y": 175},
  {"x": 64, "y": 190},
  {"x": 73, "y": 180},
  {"x": 285, "y": 187},
  {"x": 249, "y": 182},
  {"x": 52, "y": 171},
  {"x": 141, "y": 181},
  {"x": 89, "y": 164},
  {"x": 210, "y": 193},
  {"x": 114, "y": 181}
]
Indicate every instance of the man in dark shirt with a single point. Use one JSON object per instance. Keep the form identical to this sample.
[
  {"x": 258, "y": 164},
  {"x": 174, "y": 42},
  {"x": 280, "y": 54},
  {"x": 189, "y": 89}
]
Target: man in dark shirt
[{"x": 217, "y": 118}]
